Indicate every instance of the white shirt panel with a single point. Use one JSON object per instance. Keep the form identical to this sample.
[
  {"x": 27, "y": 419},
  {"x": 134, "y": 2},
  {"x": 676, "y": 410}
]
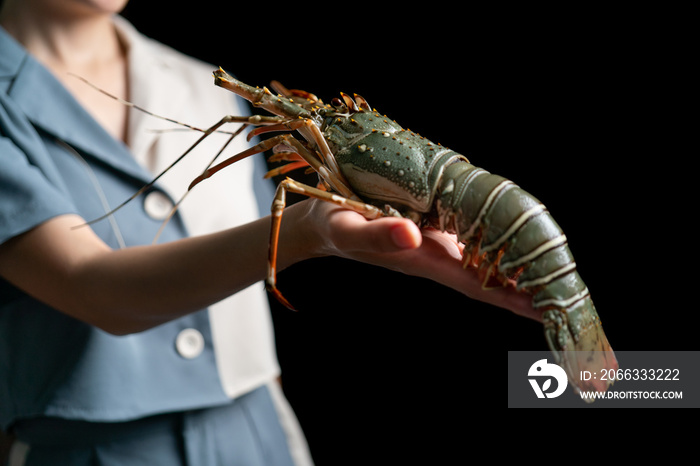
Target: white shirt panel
[{"x": 170, "y": 84}]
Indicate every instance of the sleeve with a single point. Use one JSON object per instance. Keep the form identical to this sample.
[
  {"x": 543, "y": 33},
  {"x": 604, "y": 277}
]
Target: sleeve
[{"x": 30, "y": 187}]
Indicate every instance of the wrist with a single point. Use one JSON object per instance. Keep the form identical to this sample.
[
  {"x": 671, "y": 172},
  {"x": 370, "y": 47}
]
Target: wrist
[{"x": 299, "y": 237}]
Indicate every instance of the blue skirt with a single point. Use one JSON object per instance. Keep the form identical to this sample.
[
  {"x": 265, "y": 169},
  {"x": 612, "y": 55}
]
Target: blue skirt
[{"x": 244, "y": 432}]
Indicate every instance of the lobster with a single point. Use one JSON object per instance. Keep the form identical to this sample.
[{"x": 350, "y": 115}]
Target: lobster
[{"x": 368, "y": 163}]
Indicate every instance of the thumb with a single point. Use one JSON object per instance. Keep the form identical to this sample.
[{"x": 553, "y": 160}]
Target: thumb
[
  {"x": 382, "y": 235},
  {"x": 405, "y": 235}
]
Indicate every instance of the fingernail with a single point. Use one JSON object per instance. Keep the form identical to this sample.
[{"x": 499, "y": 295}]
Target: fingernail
[{"x": 402, "y": 237}]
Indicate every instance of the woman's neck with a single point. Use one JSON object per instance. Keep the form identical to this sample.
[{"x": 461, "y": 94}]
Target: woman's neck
[
  {"x": 62, "y": 37},
  {"x": 69, "y": 38}
]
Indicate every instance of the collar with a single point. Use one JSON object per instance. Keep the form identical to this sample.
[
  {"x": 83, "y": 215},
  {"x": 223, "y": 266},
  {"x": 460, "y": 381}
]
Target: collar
[
  {"x": 155, "y": 85},
  {"x": 45, "y": 102}
]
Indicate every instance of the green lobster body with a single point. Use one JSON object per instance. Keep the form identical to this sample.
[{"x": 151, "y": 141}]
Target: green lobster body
[
  {"x": 385, "y": 164},
  {"x": 379, "y": 169},
  {"x": 500, "y": 224}
]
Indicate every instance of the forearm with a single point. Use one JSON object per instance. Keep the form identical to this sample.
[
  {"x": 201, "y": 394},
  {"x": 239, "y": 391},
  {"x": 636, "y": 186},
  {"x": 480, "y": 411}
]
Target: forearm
[{"x": 136, "y": 288}]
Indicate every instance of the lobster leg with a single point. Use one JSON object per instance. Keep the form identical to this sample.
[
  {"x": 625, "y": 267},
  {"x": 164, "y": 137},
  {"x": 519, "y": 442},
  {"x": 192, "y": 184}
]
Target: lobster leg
[
  {"x": 311, "y": 132},
  {"x": 278, "y": 205},
  {"x": 253, "y": 120},
  {"x": 256, "y": 149},
  {"x": 299, "y": 119},
  {"x": 288, "y": 140}
]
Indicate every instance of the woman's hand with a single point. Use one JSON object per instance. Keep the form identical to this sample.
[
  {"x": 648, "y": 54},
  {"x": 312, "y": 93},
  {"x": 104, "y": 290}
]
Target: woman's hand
[{"x": 398, "y": 244}]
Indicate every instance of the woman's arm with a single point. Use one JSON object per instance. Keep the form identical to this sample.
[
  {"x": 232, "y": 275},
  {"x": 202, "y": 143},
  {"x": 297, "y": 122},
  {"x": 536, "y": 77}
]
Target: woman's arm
[
  {"x": 133, "y": 289},
  {"x": 136, "y": 288}
]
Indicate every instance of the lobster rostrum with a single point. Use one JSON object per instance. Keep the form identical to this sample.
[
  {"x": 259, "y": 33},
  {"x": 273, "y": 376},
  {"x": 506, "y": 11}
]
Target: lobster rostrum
[{"x": 368, "y": 163}]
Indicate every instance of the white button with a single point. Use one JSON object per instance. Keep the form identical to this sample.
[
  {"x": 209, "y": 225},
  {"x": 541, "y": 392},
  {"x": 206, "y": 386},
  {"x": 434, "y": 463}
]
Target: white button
[
  {"x": 157, "y": 205},
  {"x": 189, "y": 343}
]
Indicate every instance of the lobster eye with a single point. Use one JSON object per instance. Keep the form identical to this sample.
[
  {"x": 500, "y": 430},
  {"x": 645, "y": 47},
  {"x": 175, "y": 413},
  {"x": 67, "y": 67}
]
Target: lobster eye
[{"x": 337, "y": 103}]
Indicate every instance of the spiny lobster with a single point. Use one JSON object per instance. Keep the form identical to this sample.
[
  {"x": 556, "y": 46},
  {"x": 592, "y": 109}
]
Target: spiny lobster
[{"x": 368, "y": 163}]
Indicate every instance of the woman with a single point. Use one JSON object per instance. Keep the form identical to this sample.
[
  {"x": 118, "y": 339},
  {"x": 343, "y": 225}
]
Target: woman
[{"x": 138, "y": 353}]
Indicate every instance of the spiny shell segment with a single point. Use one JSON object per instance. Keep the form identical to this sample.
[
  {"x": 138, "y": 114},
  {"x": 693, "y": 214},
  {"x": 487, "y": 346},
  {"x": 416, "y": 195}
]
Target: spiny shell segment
[{"x": 382, "y": 161}]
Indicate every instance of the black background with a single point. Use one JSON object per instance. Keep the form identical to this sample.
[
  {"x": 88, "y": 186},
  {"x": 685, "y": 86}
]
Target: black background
[{"x": 580, "y": 107}]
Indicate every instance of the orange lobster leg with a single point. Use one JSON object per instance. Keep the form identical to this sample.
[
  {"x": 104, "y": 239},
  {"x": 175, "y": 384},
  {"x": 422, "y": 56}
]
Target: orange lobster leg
[{"x": 278, "y": 205}]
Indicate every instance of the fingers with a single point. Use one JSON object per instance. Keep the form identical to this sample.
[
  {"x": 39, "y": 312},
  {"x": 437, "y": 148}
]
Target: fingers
[
  {"x": 398, "y": 244},
  {"x": 440, "y": 259},
  {"x": 352, "y": 233}
]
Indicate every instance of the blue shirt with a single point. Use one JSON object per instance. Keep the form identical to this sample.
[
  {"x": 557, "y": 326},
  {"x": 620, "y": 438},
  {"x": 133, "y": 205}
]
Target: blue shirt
[{"x": 55, "y": 159}]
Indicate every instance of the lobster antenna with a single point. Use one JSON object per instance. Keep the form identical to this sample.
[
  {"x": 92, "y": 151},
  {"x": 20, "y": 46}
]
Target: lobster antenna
[
  {"x": 177, "y": 204},
  {"x": 175, "y": 162},
  {"x": 150, "y": 184},
  {"x": 139, "y": 108}
]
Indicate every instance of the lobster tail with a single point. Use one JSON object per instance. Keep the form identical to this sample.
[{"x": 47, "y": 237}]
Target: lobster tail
[
  {"x": 577, "y": 340},
  {"x": 512, "y": 240}
]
